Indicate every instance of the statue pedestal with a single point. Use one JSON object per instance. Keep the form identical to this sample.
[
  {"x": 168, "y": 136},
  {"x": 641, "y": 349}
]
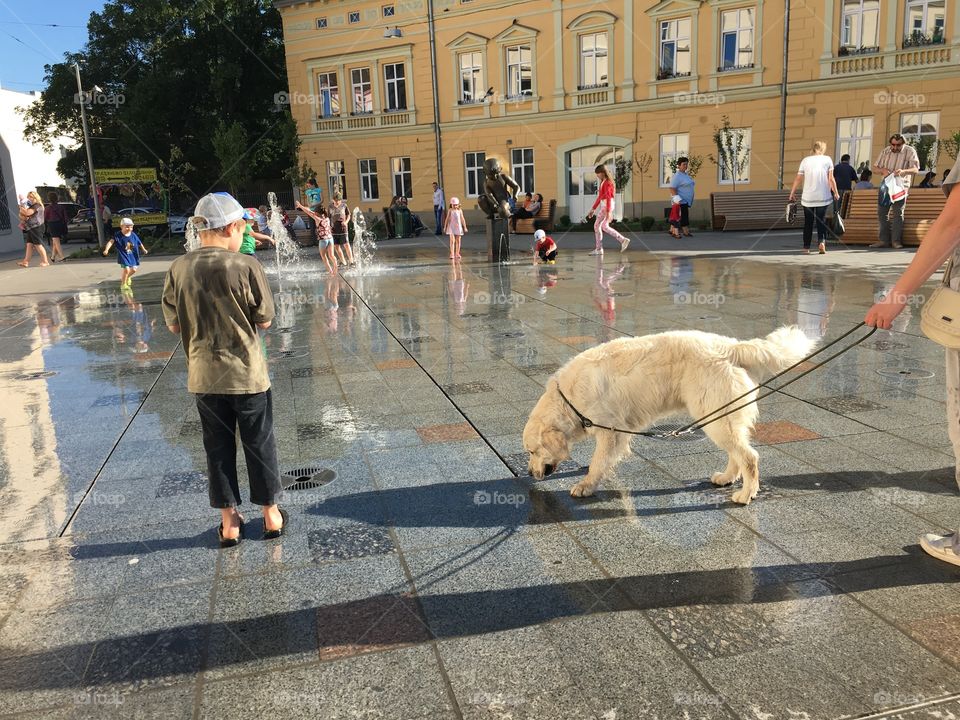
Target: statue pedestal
[{"x": 498, "y": 240}]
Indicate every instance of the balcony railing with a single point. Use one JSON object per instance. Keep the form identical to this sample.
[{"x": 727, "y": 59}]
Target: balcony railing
[
  {"x": 734, "y": 68},
  {"x": 595, "y": 95},
  {"x": 910, "y": 57},
  {"x": 391, "y": 118},
  {"x": 666, "y": 74}
]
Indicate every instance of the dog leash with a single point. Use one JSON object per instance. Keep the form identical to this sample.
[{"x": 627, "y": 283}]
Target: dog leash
[{"x": 700, "y": 424}]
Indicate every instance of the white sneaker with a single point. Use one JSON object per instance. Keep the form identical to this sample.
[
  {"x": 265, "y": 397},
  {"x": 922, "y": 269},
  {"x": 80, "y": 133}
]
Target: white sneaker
[
  {"x": 596, "y": 252},
  {"x": 943, "y": 548},
  {"x": 625, "y": 245}
]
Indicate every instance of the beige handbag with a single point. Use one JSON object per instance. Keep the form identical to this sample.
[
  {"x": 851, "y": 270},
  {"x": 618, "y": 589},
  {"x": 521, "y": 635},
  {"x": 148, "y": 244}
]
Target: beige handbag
[{"x": 940, "y": 316}]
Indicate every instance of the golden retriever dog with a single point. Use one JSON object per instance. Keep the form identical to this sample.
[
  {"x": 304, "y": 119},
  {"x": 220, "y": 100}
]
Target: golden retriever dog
[{"x": 630, "y": 383}]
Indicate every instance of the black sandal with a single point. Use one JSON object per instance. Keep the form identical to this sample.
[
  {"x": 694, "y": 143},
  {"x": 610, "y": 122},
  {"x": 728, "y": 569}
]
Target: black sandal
[
  {"x": 274, "y": 534},
  {"x": 229, "y": 542}
]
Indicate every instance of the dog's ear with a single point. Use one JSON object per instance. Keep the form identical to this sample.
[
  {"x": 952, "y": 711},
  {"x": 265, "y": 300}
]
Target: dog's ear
[{"x": 555, "y": 443}]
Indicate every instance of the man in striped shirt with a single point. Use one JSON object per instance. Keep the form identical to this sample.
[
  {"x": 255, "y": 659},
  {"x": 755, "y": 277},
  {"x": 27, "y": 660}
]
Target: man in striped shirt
[{"x": 901, "y": 160}]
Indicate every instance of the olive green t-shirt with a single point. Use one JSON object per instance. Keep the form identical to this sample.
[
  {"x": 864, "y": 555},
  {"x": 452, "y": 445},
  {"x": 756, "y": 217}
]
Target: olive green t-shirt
[{"x": 218, "y": 297}]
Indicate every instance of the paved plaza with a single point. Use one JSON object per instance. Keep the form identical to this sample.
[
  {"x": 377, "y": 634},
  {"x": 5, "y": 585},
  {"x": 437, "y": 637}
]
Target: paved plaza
[{"x": 424, "y": 574}]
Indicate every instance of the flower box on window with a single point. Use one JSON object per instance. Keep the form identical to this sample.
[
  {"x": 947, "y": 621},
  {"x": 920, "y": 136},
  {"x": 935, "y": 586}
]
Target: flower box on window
[{"x": 919, "y": 39}]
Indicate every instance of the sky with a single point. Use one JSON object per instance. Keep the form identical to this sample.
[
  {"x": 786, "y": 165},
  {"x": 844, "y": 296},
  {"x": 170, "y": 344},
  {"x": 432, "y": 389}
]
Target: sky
[{"x": 26, "y": 44}]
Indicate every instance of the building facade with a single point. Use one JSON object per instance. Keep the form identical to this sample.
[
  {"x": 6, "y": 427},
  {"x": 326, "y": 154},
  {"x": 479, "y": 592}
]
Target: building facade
[{"x": 554, "y": 87}]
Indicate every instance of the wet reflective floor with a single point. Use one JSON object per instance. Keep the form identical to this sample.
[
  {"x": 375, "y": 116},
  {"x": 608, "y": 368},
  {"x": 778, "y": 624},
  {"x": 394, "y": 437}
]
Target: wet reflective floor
[{"x": 424, "y": 576}]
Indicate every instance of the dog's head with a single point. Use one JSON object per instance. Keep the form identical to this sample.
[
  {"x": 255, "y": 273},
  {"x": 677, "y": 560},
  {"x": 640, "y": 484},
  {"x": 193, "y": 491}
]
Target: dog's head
[{"x": 548, "y": 434}]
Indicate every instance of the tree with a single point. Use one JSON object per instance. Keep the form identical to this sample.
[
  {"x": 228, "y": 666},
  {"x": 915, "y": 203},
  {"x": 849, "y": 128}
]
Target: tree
[
  {"x": 732, "y": 155},
  {"x": 951, "y": 145},
  {"x": 927, "y": 149},
  {"x": 172, "y": 72},
  {"x": 641, "y": 165},
  {"x": 172, "y": 174}
]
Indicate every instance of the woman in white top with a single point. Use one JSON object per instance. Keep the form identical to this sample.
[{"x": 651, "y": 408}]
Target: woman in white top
[{"x": 819, "y": 192}]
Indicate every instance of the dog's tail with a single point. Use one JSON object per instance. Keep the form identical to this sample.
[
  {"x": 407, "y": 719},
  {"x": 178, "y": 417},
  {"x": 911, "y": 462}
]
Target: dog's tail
[{"x": 779, "y": 350}]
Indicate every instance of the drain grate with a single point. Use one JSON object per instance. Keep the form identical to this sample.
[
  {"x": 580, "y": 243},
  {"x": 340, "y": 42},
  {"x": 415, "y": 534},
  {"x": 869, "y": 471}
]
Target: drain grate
[
  {"x": 39, "y": 375},
  {"x": 307, "y": 477},
  {"x": 512, "y": 334},
  {"x": 619, "y": 294},
  {"x": 291, "y": 354},
  {"x": 286, "y": 331},
  {"x": 906, "y": 373},
  {"x": 694, "y": 436}
]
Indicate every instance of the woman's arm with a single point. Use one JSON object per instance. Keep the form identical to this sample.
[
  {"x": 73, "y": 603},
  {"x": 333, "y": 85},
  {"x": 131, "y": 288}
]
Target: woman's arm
[
  {"x": 833, "y": 186},
  {"x": 793, "y": 188},
  {"x": 940, "y": 241}
]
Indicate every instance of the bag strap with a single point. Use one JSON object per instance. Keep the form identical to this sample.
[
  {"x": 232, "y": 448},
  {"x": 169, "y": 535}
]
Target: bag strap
[{"x": 946, "y": 273}]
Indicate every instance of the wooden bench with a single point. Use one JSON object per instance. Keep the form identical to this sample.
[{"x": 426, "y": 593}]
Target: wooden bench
[
  {"x": 923, "y": 207},
  {"x": 752, "y": 210},
  {"x": 543, "y": 219}
]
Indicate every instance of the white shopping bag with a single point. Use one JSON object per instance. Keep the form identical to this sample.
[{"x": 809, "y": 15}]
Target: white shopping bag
[
  {"x": 299, "y": 224},
  {"x": 896, "y": 187}
]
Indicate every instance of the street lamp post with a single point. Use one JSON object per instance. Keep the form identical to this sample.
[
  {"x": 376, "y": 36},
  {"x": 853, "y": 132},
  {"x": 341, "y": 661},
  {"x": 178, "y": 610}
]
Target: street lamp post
[
  {"x": 436, "y": 99},
  {"x": 97, "y": 210}
]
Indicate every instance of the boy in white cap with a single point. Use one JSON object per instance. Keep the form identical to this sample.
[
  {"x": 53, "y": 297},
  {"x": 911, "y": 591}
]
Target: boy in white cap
[
  {"x": 544, "y": 248},
  {"x": 216, "y": 299},
  {"x": 129, "y": 246}
]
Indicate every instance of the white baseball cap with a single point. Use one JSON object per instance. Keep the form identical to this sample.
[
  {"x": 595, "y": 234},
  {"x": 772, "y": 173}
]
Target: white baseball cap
[
  {"x": 539, "y": 235},
  {"x": 126, "y": 221},
  {"x": 218, "y": 209}
]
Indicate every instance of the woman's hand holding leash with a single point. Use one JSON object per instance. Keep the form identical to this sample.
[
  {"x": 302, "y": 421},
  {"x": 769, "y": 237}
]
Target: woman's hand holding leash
[{"x": 885, "y": 312}]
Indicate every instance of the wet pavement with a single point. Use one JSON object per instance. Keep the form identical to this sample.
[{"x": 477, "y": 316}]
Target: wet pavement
[{"x": 424, "y": 576}]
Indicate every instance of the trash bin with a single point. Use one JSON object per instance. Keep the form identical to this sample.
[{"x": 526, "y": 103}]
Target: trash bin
[{"x": 402, "y": 223}]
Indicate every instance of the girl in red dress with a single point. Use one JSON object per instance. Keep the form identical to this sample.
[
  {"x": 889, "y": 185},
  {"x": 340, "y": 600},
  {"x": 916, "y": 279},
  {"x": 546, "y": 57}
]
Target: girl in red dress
[{"x": 605, "y": 202}]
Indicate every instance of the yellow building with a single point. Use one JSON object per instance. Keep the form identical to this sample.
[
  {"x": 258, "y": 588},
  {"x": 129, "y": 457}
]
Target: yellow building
[{"x": 552, "y": 87}]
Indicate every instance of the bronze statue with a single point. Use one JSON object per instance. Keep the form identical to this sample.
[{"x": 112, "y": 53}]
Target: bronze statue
[{"x": 498, "y": 189}]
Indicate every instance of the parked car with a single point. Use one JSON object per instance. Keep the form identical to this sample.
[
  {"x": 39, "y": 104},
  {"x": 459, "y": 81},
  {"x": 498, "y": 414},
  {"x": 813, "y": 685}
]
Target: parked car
[
  {"x": 81, "y": 227},
  {"x": 177, "y": 223},
  {"x": 71, "y": 208}
]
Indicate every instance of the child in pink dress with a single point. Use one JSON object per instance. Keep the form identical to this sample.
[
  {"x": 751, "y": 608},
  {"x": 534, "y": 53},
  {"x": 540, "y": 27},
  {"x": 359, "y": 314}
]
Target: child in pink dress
[{"x": 455, "y": 226}]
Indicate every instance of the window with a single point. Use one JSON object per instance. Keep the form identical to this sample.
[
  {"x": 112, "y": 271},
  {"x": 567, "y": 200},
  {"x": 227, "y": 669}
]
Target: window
[
  {"x": 674, "y": 48},
  {"x": 321, "y": 23},
  {"x": 855, "y": 138},
  {"x": 736, "y": 39},
  {"x": 396, "y": 84},
  {"x": 671, "y": 148},
  {"x": 924, "y": 22},
  {"x": 362, "y": 91},
  {"x": 519, "y": 71},
  {"x": 336, "y": 178},
  {"x": 329, "y": 94},
  {"x": 471, "y": 78},
  {"x": 920, "y": 130},
  {"x": 861, "y": 26},
  {"x": 593, "y": 60},
  {"x": 369, "y": 189},
  {"x": 474, "y": 165},
  {"x": 521, "y": 165},
  {"x": 741, "y": 162},
  {"x": 402, "y": 177},
  {"x": 353, "y": 18},
  {"x": 388, "y": 11}
]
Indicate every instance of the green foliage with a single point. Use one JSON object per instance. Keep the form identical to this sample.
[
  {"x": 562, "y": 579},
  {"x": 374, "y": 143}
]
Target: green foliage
[
  {"x": 927, "y": 149},
  {"x": 732, "y": 157},
  {"x": 622, "y": 171},
  {"x": 174, "y": 71},
  {"x": 692, "y": 168},
  {"x": 647, "y": 222},
  {"x": 232, "y": 150},
  {"x": 951, "y": 145}
]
